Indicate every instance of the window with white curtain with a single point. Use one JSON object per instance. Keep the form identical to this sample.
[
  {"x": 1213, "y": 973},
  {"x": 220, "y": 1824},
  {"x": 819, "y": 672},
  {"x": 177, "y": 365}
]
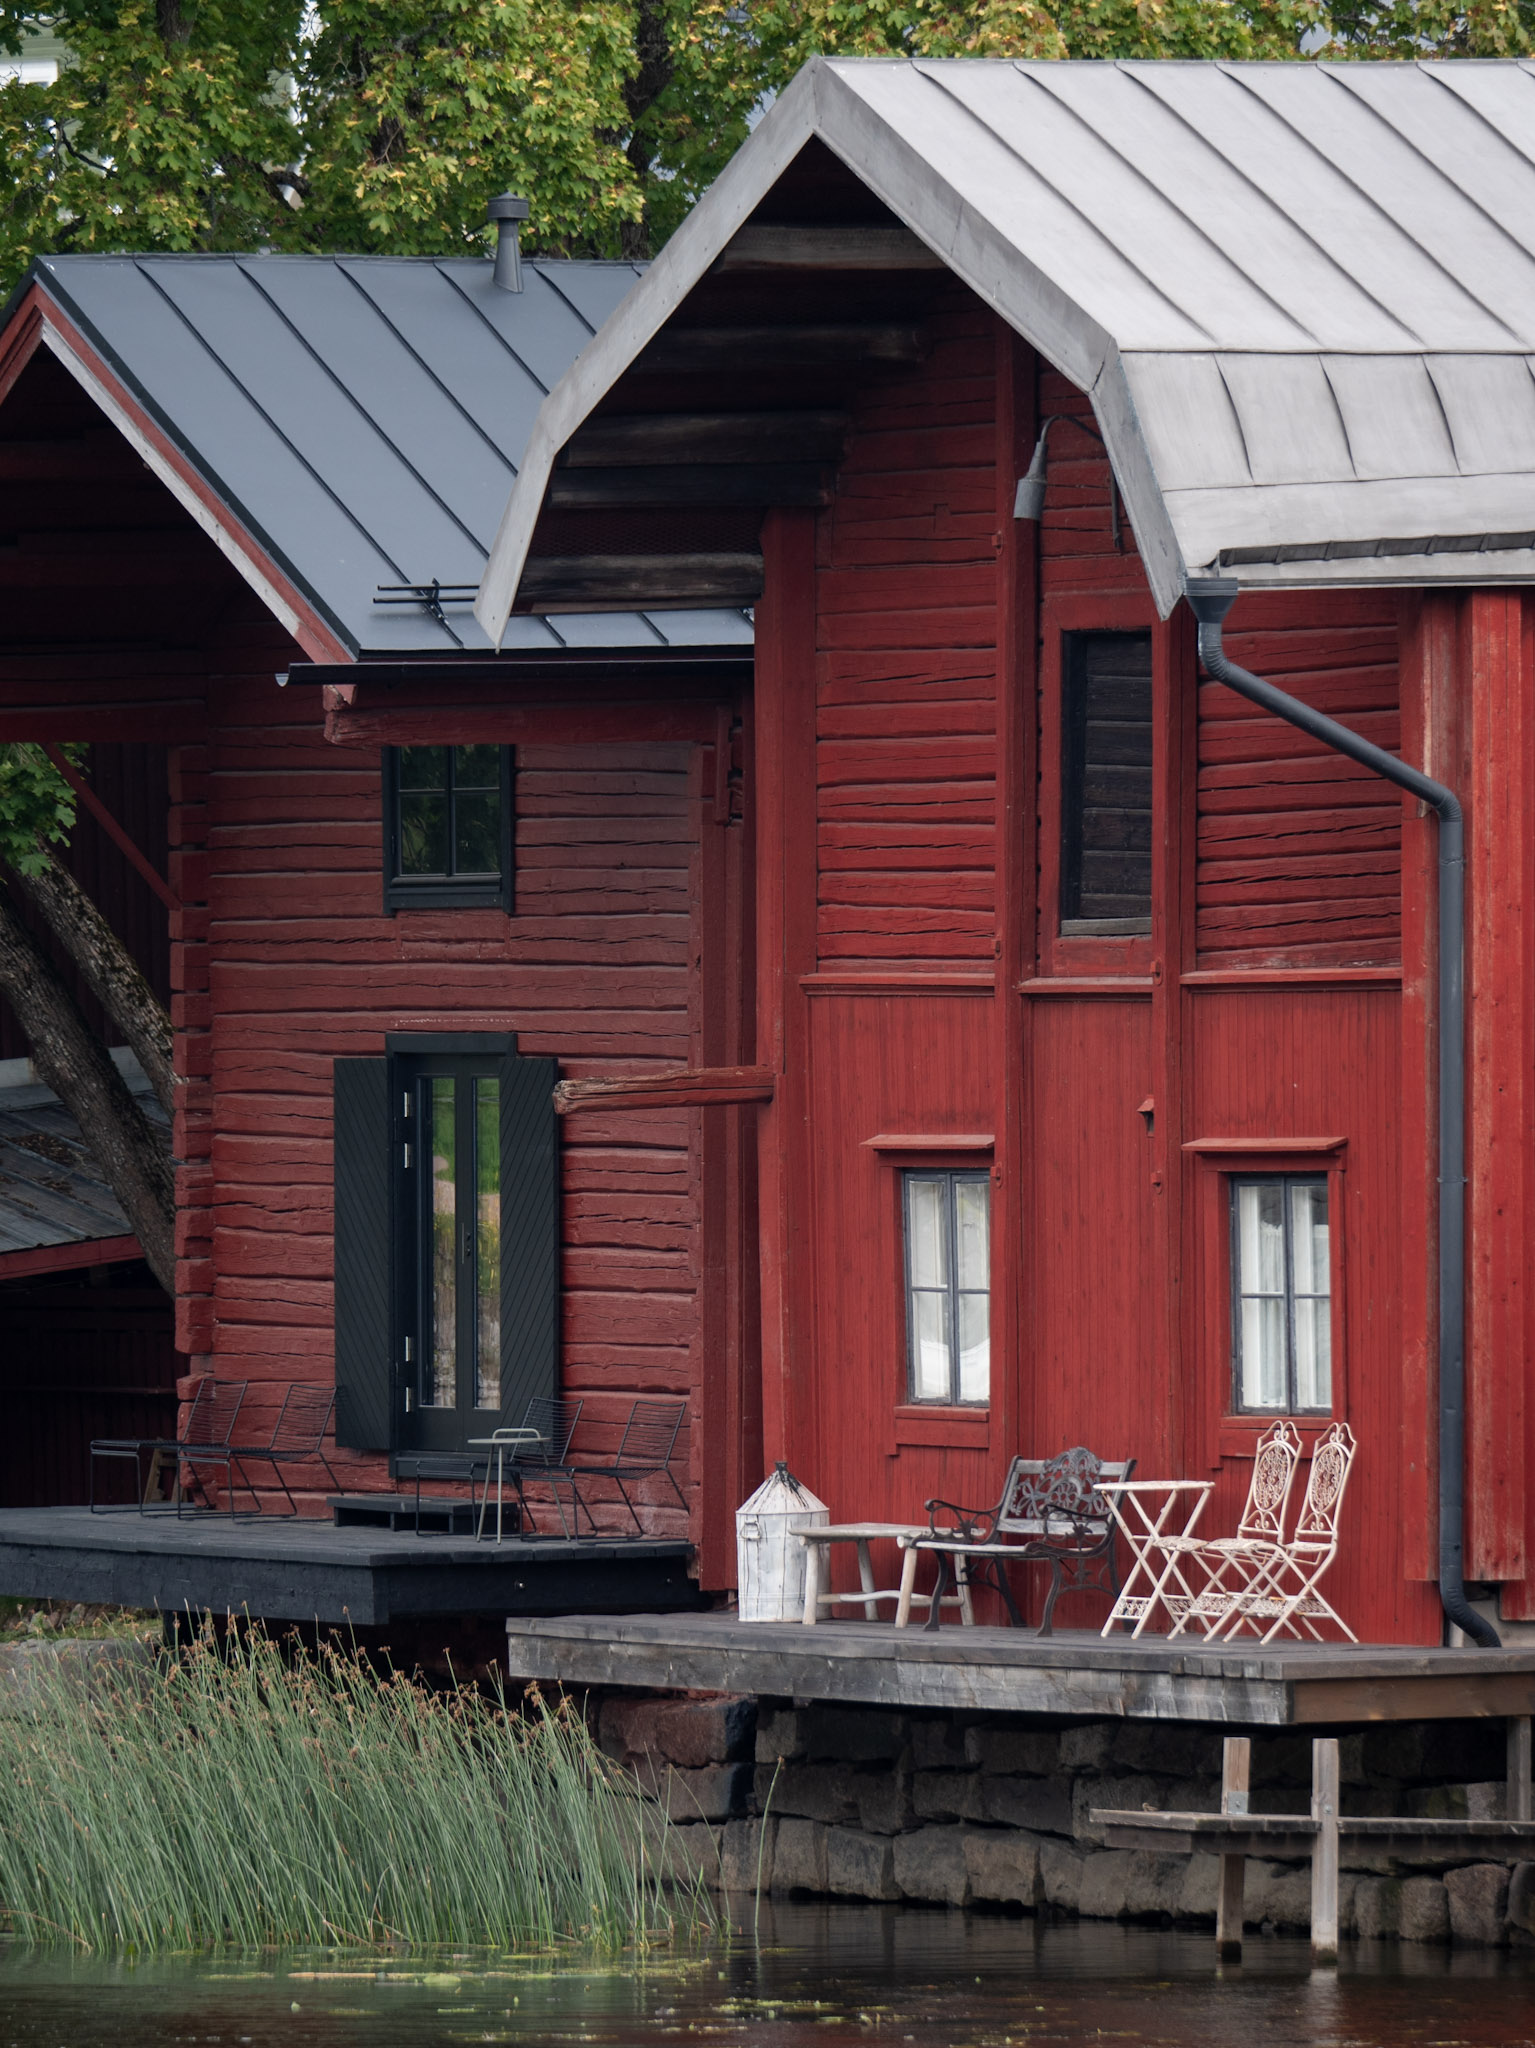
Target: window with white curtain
[
  {"x": 1281, "y": 1286},
  {"x": 948, "y": 1286}
]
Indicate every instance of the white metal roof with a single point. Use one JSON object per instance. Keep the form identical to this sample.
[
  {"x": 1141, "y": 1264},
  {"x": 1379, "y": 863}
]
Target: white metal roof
[{"x": 1301, "y": 296}]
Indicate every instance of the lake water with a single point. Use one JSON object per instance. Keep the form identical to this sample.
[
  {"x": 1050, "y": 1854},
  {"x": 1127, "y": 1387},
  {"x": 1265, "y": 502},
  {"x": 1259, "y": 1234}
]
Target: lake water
[{"x": 807, "y": 1974}]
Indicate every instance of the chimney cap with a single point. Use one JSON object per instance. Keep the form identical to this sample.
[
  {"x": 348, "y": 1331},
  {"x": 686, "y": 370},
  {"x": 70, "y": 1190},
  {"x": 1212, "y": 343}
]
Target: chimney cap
[{"x": 507, "y": 206}]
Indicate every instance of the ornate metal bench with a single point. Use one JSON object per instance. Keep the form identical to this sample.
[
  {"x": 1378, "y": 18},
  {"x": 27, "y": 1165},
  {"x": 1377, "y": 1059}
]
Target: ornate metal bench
[{"x": 1056, "y": 1512}]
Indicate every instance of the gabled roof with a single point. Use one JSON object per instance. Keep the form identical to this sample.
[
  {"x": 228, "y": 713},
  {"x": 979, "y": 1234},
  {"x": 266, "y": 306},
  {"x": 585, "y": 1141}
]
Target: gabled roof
[
  {"x": 359, "y": 420},
  {"x": 1301, "y": 296}
]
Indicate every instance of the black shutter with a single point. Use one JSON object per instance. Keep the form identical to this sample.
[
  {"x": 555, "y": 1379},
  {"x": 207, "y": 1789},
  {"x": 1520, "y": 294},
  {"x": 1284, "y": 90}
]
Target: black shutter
[
  {"x": 530, "y": 1233},
  {"x": 364, "y": 1295}
]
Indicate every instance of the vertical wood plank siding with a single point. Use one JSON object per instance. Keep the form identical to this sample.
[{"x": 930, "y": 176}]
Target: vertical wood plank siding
[
  {"x": 1299, "y": 850},
  {"x": 906, "y": 685}
]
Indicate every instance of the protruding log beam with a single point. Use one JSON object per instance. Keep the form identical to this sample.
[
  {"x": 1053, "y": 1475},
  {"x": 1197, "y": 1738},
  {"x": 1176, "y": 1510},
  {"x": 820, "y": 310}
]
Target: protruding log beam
[
  {"x": 639, "y": 438},
  {"x": 678, "y": 1088},
  {"x": 776, "y": 348},
  {"x": 554, "y": 583},
  {"x": 706, "y": 483},
  {"x": 828, "y": 248}
]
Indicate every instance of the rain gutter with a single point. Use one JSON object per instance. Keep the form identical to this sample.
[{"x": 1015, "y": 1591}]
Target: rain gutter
[{"x": 1210, "y": 598}]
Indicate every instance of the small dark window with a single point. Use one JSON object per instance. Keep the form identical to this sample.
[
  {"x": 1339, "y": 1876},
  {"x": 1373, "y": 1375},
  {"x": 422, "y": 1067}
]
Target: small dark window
[
  {"x": 1281, "y": 1295},
  {"x": 447, "y": 826},
  {"x": 1106, "y": 785},
  {"x": 948, "y": 1286}
]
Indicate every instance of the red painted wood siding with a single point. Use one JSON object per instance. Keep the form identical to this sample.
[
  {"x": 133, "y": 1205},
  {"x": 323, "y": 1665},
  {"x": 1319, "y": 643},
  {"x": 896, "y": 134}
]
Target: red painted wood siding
[
  {"x": 905, "y": 667},
  {"x": 1299, "y": 850},
  {"x": 301, "y": 964}
]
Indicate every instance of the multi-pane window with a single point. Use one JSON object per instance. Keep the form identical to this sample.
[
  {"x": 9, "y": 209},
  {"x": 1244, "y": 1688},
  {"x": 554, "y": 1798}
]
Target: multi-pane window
[
  {"x": 1281, "y": 1286},
  {"x": 1106, "y": 733},
  {"x": 447, "y": 826},
  {"x": 948, "y": 1285}
]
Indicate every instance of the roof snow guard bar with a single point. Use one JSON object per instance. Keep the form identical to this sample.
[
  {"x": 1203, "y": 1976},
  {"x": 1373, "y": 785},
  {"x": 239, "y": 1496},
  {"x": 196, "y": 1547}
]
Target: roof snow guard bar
[{"x": 1210, "y": 598}]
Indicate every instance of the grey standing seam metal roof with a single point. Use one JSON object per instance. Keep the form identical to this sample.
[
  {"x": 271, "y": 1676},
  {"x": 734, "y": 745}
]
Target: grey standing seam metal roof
[
  {"x": 1301, "y": 296},
  {"x": 363, "y": 418},
  {"x": 51, "y": 1190}
]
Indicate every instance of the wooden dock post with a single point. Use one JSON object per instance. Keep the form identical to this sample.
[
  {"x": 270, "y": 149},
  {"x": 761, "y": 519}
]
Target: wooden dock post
[
  {"x": 1324, "y": 1856},
  {"x": 1236, "y": 1774},
  {"x": 1519, "y": 1802}
]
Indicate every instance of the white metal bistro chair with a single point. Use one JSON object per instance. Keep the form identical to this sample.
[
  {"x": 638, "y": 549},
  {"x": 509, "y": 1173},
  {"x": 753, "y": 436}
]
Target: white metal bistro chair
[
  {"x": 1279, "y": 1584},
  {"x": 1231, "y": 1561}
]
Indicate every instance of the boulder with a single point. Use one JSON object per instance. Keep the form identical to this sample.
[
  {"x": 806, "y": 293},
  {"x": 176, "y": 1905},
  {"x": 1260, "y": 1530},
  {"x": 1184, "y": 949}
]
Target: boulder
[
  {"x": 1377, "y": 1908},
  {"x": 1425, "y": 1910},
  {"x": 746, "y": 1858},
  {"x": 1013, "y": 1752},
  {"x": 931, "y": 1865},
  {"x": 884, "y": 1802},
  {"x": 780, "y": 1733},
  {"x": 855, "y": 1735},
  {"x": 799, "y": 1857},
  {"x": 689, "y": 1733},
  {"x": 1003, "y": 1865},
  {"x": 1043, "y": 1804},
  {"x": 946, "y": 1795},
  {"x": 1478, "y": 1895},
  {"x": 809, "y": 1791},
  {"x": 860, "y": 1866},
  {"x": 1521, "y": 1897},
  {"x": 1060, "y": 1875},
  {"x": 717, "y": 1792}
]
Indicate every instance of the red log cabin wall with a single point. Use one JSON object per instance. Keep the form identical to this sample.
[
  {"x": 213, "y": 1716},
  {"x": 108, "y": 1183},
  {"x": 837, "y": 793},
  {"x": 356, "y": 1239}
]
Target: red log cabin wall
[
  {"x": 296, "y": 963},
  {"x": 924, "y": 1008},
  {"x": 137, "y": 635}
]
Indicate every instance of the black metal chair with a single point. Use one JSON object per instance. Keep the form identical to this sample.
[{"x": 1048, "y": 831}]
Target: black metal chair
[
  {"x": 1056, "y": 1512},
  {"x": 645, "y": 1451},
  {"x": 215, "y": 1411},
  {"x": 548, "y": 1458},
  {"x": 298, "y": 1433}
]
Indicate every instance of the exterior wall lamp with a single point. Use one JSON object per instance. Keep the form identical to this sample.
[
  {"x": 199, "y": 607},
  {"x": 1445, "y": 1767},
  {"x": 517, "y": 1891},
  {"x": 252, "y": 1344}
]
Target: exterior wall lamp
[{"x": 1029, "y": 499}]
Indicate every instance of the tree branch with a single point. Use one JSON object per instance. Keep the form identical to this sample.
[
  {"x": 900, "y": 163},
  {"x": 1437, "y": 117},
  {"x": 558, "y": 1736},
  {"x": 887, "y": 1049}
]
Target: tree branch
[
  {"x": 108, "y": 969},
  {"x": 132, "y": 1155}
]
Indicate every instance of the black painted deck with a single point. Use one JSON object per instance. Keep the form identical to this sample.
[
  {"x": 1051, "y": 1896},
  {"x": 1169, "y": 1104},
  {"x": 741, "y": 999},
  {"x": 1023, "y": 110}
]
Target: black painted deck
[
  {"x": 1014, "y": 1671},
  {"x": 288, "y": 1570}
]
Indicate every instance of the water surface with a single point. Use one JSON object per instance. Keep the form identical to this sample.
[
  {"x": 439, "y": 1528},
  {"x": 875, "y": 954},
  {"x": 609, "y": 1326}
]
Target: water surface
[{"x": 811, "y": 1973}]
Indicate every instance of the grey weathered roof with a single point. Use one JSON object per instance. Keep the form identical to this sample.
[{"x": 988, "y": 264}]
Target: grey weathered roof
[
  {"x": 51, "y": 1190},
  {"x": 361, "y": 417},
  {"x": 1301, "y": 296}
]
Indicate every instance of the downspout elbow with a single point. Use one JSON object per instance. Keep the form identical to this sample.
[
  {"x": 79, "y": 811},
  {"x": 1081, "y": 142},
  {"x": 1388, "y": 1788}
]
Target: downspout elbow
[{"x": 1210, "y": 599}]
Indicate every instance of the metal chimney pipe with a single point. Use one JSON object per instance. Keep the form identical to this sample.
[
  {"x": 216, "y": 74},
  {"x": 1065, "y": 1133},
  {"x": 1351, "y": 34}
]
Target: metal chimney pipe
[
  {"x": 1210, "y": 598},
  {"x": 508, "y": 210}
]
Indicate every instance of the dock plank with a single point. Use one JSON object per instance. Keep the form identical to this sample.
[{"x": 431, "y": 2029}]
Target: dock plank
[
  {"x": 1015, "y": 1671},
  {"x": 278, "y": 1568}
]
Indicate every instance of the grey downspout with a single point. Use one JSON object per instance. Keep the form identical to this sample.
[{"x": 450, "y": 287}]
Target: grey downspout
[{"x": 1210, "y": 599}]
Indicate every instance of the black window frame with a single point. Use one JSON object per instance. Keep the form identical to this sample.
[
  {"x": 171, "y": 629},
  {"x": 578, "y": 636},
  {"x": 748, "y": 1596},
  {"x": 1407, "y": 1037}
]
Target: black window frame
[
  {"x": 1073, "y": 787},
  {"x": 1285, "y": 1182},
  {"x": 447, "y": 892},
  {"x": 952, "y": 1176}
]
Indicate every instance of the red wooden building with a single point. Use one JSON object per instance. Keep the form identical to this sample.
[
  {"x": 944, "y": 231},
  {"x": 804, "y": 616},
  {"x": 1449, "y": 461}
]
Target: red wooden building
[{"x": 1059, "y": 1030}]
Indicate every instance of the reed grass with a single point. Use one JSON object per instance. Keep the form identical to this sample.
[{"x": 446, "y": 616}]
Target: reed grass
[{"x": 252, "y": 1795}]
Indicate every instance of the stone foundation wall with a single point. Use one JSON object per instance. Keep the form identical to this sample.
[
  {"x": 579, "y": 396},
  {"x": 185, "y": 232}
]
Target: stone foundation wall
[{"x": 992, "y": 1811}]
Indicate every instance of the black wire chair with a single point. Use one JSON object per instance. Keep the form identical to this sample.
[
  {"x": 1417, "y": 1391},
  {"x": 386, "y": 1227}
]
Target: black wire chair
[
  {"x": 645, "y": 1451},
  {"x": 215, "y": 1410}
]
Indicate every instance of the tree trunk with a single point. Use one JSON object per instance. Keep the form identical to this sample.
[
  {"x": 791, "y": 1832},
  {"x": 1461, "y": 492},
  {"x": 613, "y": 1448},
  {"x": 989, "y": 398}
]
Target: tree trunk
[
  {"x": 133, "y": 1156},
  {"x": 109, "y": 971}
]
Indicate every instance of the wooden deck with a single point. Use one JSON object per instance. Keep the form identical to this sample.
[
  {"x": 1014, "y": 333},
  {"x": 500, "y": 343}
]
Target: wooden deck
[
  {"x": 305, "y": 1570},
  {"x": 1014, "y": 1671}
]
